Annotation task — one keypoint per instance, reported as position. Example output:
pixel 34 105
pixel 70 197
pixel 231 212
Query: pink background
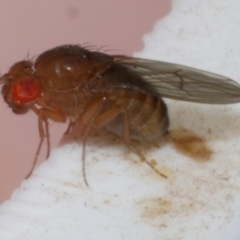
pixel 34 26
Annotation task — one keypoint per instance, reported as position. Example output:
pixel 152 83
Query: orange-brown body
pixel 90 89
pixel 93 90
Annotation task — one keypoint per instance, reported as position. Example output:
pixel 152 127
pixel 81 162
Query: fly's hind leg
pixel 126 137
pixel 106 117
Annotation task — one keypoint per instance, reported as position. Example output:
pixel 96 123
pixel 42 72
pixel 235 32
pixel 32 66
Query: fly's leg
pixel 84 162
pixel 108 116
pixel 43 128
pixel 93 118
pixel 127 141
pixel 47 137
pixel 70 127
pixel 43 132
pixel 87 121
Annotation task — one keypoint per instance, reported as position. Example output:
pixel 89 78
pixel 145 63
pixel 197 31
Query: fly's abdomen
pixel 147 115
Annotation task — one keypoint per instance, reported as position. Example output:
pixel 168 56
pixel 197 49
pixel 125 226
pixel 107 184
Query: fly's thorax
pixel 70 66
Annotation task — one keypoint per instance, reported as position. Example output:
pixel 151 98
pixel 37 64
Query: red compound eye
pixel 26 90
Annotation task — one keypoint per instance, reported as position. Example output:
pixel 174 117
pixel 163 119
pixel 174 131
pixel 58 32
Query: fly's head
pixel 20 88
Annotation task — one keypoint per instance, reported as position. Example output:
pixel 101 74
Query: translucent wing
pixel 183 83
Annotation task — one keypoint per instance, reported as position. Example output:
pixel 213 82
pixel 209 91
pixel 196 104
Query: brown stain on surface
pixel 155 207
pixel 153 162
pixel 107 201
pixel 190 144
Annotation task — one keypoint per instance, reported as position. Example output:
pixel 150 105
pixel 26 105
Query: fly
pixel 123 94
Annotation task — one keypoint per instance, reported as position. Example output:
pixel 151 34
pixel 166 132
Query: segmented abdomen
pixel 147 114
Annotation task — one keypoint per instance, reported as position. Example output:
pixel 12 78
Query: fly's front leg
pixel 43 129
pixel 43 132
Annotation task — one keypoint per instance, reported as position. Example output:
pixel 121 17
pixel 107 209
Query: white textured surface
pixel 127 200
